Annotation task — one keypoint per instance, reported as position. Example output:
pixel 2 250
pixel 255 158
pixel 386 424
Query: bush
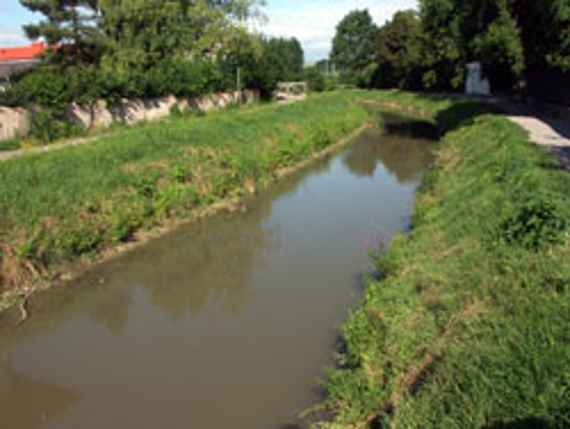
pixel 44 86
pixel 47 91
pixel 183 78
pixel 537 223
pixel 315 79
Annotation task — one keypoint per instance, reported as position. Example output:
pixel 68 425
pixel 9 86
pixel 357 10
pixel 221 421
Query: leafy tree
pixel 315 79
pixel 282 61
pixel 507 36
pixel 325 66
pixel 354 47
pixel 442 52
pixel 545 32
pixel 71 24
pixel 500 50
pixel 241 54
pixel 399 52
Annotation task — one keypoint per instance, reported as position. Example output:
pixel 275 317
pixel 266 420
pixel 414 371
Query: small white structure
pixel 476 84
pixel 288 92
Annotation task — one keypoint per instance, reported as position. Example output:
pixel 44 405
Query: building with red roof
pixel 19 59
pixel 23 53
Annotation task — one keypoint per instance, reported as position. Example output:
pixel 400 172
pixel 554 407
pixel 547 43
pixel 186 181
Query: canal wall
pixel 16 122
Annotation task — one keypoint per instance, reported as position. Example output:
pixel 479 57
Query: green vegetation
pixel 399 52
pixel 77 202
pixel 8 145
pixel 353 49
pixel 468 326
pixel 509 37
pixel 281 61
pixel 115 49
pixel 515 40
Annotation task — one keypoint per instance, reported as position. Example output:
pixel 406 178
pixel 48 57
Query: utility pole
pixel 238 79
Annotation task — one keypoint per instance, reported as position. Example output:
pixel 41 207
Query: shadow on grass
pixel 556 116
pixel 403 126
pixel 463 114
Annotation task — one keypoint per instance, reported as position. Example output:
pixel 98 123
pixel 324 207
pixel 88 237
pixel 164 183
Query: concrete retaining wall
pixel 15 122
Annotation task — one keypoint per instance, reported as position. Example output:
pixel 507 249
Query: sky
pixel 313 22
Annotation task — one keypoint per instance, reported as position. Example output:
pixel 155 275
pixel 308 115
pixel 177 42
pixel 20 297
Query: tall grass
pixel 79 201
pixel 469 326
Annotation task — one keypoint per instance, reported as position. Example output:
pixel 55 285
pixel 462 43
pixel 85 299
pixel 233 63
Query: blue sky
pixel 313 22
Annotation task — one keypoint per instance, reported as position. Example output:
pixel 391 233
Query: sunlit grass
pixel 78 201
pixel 469 326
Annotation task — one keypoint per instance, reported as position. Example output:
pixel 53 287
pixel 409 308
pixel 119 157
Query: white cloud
pixel 12 38
pixel 314 23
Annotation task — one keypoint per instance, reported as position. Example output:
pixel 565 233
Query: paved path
pixel 544 128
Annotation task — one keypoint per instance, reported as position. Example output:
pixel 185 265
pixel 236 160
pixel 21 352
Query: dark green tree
pixel 353 49
pixel 399 52
pixel 315 78
pixel 545 32
pixel 71 27
pixel 282 61
pixel 508 36
pixel 141 33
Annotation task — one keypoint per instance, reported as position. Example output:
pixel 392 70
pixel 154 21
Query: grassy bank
pixel 469 325
pixel 77 203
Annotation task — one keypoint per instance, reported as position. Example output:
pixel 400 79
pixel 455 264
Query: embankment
pixel 469 325
pixel 66 209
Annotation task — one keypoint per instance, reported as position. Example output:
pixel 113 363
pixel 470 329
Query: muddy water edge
pixel 228 323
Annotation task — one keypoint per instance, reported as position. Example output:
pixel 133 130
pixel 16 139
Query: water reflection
pixel 225 323
pixel 209 265
pixel 182 272
pixel 400 151
pixel 27 403
pixel 112 310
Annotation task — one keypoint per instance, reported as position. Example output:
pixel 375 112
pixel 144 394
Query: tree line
pixel 115 49
pixel 429 48
pixel 150 48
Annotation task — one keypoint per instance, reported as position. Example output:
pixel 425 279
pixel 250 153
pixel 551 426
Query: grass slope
pixel 469 326
pixel 77 202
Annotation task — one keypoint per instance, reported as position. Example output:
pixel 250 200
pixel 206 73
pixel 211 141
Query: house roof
pixel 29 52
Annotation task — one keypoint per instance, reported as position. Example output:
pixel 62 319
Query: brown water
pixel 225 324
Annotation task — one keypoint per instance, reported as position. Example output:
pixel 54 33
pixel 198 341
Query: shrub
pixel 49 125
pixel 538 222
pixel 182 78
pixel 315 79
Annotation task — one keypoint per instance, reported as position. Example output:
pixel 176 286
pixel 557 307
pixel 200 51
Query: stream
pixel 226 323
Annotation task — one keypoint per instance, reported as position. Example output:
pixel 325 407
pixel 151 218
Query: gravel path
pixel 545 129
pixel 4 156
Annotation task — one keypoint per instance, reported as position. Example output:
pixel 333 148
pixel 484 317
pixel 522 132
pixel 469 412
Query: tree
pixel 508 36
pixel 399 52
pixel 545 32
pixel 71 26
pixel 141 33
pixel 353 49
pixel 241 54
pixel 315 78
pixel 282 61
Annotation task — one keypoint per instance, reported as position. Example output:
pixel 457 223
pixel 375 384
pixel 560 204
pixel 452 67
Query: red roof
pixel 29 52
